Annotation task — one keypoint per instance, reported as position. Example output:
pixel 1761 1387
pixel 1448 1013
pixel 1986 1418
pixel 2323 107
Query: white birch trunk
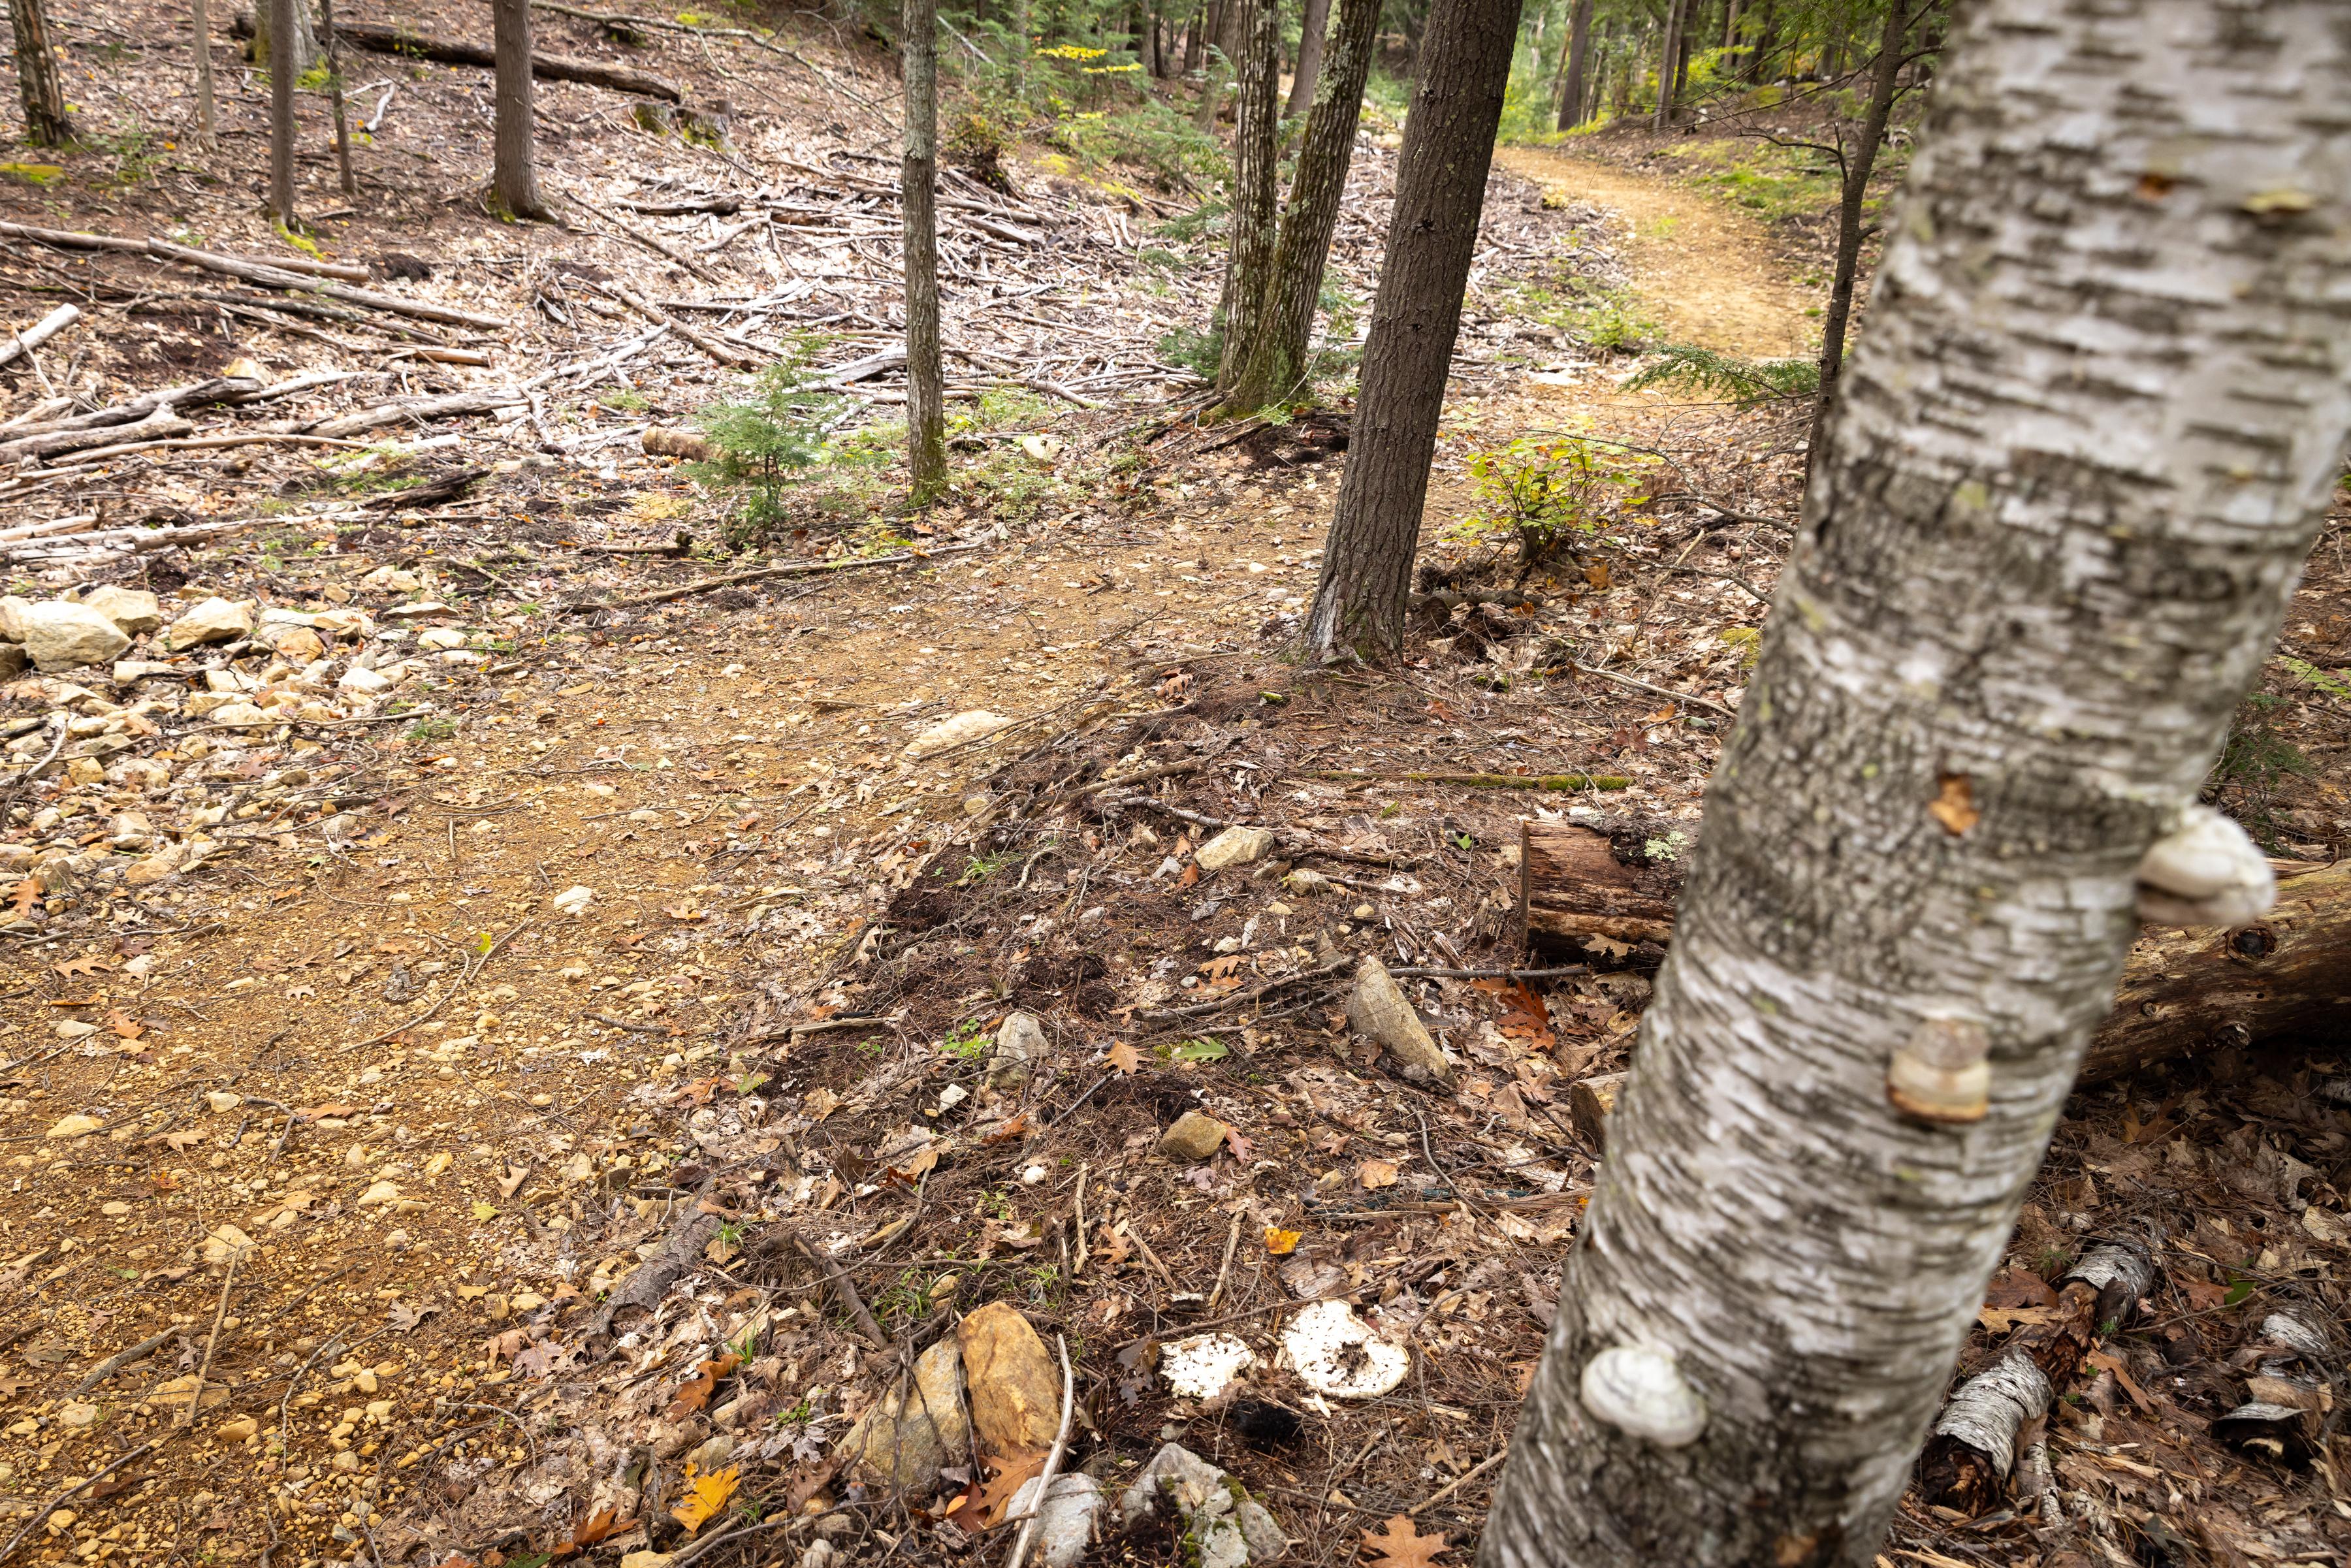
pixel 2075 466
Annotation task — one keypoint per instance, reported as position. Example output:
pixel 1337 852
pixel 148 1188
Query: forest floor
pixel 529 1098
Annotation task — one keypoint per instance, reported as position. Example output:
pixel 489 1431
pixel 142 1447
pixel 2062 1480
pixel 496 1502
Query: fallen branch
pixel 120 1359
pixel 419 409
pixel 845 1290
pixel 648 241
pixel 1639 685
pixel 378 39
pixel 20 344
pixel 1482 780
pixel 726 355
pixel 796 569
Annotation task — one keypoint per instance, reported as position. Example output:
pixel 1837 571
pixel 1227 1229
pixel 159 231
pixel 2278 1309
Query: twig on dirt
pixel 1224 1270
pixel 120 1359
pixel 212 1340
pixel 1427 972
pixel 1480 781
pixel 648 241
pixel 19 783
pixel 1458 1482
pixel 1636 682
pixel 792 568
pixel 625 1024
pixel 72 1492
pixel 1240 998
pixel 1052 1457
pixel 845 1290
pixel 472 970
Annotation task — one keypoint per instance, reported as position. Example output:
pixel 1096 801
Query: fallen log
pixel 418 409
pixel 20 344
pixel 1968 1459
pixel 379 39
pixel 1603 888
pixel 21 440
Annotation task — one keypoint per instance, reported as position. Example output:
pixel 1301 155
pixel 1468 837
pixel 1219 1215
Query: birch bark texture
pixel 2081 454
pixel 1448 149
pixel 1276 362
pixel 926 415
pixel 1249 254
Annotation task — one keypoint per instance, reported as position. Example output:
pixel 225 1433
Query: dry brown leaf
pixel 123 1024
pixel 706 1497
pixel 599 1526
pixel 1124 1057
pixel 1402 1546
pixel 1373 1173
pixel 1013 1471
pixel 88 964
pixel 24 896
pixel 695 1394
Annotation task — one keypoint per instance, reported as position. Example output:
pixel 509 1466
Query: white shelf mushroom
pixel 2206 872
pixel 1637 1388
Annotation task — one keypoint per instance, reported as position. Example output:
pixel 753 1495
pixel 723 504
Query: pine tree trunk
pixel 46 122
pixel 926 428
pixel 1669 48
pixel 207 125
pixel 283 25
pixel 2061 509
pixel 1572 94
pixel 1859 164
pixel 1249 249
pixel 1313 22
pixel 1277 364
pixel 350 185
pixel 1448 146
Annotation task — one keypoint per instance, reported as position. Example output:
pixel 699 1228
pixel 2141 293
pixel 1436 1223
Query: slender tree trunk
pixel 1248 251
pixel 1572 99
pixel 1277 364
pixel 1684 34
pixel 1859 164
pixel 514 170
pixel 1021 44
pixel 1448 146
pixel 1767 38
pixel 1192 40
pixel 351 183
pixel 926 428
pixel 2062 509
pixel 283 15
pixel 1668 52
pixel 46 122
pixel 1628 51
pixel 265 28
pixel 207 125
pixel 1313 22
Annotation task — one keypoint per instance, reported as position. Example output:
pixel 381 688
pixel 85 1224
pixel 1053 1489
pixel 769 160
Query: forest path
pixel 1702 269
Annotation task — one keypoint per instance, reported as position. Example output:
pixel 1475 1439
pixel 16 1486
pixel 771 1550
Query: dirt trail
pixel 1702 269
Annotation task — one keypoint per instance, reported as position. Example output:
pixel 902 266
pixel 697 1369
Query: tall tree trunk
pixel 1192 39
pixel 1858 165
pixel 514 168
pixel 1669 49
pixel 46 122
pixel 1277 364
pixel 1448 146
pixel 207 122
pixel 1249 250
pixel 926 426
pixel 1767 38
pixel 1313 22
pixel 350 182
pixel 1572 94
pixel 283 25
pixel 2083 449
pixel 265 28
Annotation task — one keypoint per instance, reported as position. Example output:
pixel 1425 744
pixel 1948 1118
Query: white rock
pixel 1334 1351
pixel 1065 1525
pixel 955 731
pixel 59 636
pixel 128 670
pixel 131 608
pixel 1224 1527
pixel 366 683
pixel 572 900
pixel 1234 846
pixel 12 618
pixel 212 620
pixel 243 714
pixel 1019 1046
pixel 382 1192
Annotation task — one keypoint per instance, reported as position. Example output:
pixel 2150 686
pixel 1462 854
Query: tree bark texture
pixel 1573 94
pixel 283 20
pixel 1277 361
pixel 351 183
pixel 305 41
pixel 926 428
pixel 1313 24
pixel 513 166
pixel 1250 232
pixel 201 26
pixel 47 122
pixel 2062 507
pixel 1669 51
pixel 1858 165
pixel 1448 146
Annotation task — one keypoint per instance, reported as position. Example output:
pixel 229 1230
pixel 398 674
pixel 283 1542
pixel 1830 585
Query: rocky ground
pixel 526 1039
